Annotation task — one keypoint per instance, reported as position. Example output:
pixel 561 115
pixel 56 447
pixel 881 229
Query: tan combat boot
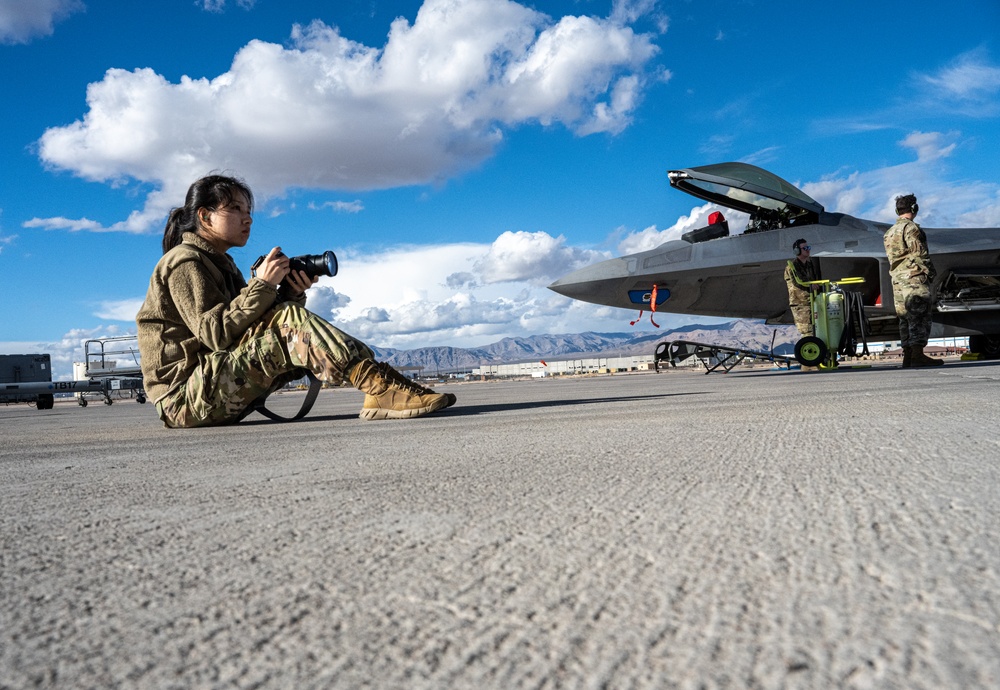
pixel 919 359
pixel 390 373
pixel 389 397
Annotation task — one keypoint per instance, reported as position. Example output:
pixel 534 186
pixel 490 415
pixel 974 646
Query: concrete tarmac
pixel 758 529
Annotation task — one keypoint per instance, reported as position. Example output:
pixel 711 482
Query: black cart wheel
pixel 811 351
pixel 988 346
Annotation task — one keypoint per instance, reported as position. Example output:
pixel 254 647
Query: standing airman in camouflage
pixel 799 272
pixel 912 275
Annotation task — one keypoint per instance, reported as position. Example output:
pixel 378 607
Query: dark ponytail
pixel 176 227
pixel 212 192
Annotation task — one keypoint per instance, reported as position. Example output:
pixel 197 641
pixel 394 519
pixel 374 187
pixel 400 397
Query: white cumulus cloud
pixel 461 294
pixel 23 20
pixel 328 112
pixel 533 257
pixel 325 300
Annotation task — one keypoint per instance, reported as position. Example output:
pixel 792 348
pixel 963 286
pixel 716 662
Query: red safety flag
pixel 652 309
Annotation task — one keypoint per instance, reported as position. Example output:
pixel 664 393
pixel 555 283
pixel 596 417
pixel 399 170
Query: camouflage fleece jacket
pixel 909 258
pixel 198 302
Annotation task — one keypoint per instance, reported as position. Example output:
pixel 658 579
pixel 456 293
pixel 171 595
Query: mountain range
pixel 745 334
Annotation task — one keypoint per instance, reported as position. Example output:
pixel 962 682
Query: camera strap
pixel 314 385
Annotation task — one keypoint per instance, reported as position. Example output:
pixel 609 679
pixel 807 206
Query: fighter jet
pixel 710 272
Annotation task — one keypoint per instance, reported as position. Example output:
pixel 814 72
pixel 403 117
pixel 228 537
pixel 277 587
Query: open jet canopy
pixel 771 201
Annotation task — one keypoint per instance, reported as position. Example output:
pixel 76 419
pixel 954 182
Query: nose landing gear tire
pixel 811 351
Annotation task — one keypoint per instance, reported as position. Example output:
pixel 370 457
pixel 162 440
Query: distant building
pixel 597 364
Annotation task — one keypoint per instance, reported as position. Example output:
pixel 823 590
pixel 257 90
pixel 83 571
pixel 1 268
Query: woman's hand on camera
pixel 298 282
pixel 274 268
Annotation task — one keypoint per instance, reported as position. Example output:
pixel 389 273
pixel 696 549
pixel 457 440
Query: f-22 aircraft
pixel 709 272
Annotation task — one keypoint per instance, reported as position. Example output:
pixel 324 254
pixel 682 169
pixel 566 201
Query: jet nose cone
pixel 592 283
pixel 565 287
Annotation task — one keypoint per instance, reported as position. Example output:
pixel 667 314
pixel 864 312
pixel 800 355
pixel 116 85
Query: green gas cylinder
pixel 828 317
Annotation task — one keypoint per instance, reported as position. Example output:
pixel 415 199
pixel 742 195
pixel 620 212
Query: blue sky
pixel 459 155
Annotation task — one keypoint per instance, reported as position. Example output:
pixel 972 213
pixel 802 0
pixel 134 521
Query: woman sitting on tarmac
pixel 212 344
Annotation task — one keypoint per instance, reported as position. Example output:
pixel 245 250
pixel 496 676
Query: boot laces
pixel 397 380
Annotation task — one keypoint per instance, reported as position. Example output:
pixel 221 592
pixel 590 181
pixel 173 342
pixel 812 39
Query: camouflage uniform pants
pixel 913 307
pixel 802 314
pixel 274 351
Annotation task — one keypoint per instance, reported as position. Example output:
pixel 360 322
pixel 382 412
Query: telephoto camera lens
pixel 313 265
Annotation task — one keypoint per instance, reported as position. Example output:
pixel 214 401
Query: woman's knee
pixel 291 313
pixel 291 316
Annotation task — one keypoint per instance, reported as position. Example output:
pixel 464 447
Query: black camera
pixel 312 265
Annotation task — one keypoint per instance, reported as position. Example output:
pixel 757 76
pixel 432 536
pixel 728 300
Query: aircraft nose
pixel 573 290
pixel 592 283
pixel 566 287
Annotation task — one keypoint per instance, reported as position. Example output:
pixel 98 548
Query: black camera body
pixel 313 265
